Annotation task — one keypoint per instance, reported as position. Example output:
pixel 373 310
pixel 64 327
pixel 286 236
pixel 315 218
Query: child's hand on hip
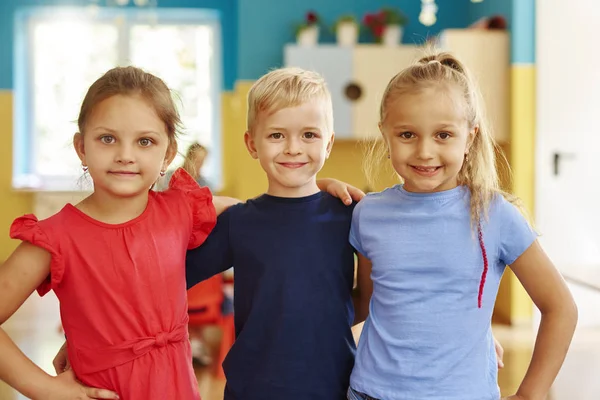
pixel 67 387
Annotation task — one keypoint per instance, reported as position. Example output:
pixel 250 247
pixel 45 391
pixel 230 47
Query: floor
pixel 34 328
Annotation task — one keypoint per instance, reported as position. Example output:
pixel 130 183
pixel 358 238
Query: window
pixel 60 52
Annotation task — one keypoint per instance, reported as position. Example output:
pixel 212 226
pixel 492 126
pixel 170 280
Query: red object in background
pixel 205 301
pixel 311 17
pixel 494 22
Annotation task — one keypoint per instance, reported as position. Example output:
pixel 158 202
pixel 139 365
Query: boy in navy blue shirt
pixel 294 266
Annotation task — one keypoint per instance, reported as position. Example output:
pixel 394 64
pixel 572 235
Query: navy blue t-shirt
pixel 294 270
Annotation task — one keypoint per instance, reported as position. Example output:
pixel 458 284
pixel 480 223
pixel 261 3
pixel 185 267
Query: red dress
pixel 122 290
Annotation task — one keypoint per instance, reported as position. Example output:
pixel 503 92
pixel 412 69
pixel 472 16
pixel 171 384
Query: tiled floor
pixel 34 327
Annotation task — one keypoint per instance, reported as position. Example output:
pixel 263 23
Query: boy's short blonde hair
pixel 287 87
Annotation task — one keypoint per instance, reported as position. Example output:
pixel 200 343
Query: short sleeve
pixel 355 229
pixel 199 201
pixel 516 233
pixel 27 228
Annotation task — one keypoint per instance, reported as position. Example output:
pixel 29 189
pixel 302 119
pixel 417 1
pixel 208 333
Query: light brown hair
pixel 189 161
pixel 133 81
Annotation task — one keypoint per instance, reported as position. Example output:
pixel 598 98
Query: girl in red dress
pixel 116 260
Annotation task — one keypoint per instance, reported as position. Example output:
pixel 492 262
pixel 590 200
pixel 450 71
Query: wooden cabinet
pixel 358 75
pixel 487 55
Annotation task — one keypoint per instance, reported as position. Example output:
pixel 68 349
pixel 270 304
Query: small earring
pixel 466 157
pixel 388 156
pixel 162 173
pixel 84 168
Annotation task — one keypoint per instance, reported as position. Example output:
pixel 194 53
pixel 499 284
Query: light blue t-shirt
pixel 425 337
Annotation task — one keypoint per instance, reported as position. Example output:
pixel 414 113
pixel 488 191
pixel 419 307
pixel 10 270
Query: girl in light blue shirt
pixel 438 245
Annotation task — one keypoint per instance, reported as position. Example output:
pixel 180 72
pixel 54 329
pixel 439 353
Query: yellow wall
pixel 523 162
pixel 514 305
pixel 12 204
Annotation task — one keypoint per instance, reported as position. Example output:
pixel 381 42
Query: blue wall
pixel 492 7
pixel 226 8
pixel 265 26
pixel 523 30
pixel 255 31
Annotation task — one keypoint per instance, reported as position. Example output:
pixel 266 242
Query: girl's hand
pixel 61 360
pixel 499 353
pixel 222 203
pixel 341 190
pixel 68 388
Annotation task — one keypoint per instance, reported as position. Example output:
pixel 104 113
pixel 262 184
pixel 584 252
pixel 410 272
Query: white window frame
pixel 24 176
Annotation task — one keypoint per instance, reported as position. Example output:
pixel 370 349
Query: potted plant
pixel 346 30
pixel 386 25
pixel 307 33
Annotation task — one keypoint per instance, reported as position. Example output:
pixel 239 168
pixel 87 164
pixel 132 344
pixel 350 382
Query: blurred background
pixel 534 61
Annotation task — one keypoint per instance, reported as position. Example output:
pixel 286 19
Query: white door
pixel 568 136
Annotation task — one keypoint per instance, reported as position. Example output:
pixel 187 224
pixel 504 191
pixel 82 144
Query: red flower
pixel 368 19
pixel 311 17
pixel 378 30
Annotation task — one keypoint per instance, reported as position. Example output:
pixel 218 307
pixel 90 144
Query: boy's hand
pixel 67 387
pixel 61 360
pixel 341 190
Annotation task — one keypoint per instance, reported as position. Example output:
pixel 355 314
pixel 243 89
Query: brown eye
pixel 107 139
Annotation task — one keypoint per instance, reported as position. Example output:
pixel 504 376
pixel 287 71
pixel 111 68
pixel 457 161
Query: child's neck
pixel 278 190
pixel 111 209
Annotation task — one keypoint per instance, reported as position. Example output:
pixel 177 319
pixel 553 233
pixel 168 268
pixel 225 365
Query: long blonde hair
pixel 478 172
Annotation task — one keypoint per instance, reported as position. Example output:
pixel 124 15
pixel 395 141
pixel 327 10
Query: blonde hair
pixel 478 172
pixel 287 87
pixel 189 161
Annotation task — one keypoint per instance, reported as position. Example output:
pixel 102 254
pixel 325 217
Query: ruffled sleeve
pixel 199 202
pixel 28 229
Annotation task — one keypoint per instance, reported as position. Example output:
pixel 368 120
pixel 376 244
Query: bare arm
pixel 361 295
pixel 24 271
pixel 549 292
pixel 222 203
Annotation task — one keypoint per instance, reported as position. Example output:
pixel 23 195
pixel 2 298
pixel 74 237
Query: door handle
pixel 558 157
